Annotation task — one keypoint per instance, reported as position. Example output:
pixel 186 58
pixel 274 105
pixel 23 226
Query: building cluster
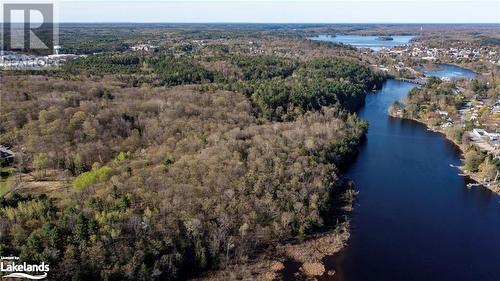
pixel 144 48
pixel 474 109
pixel 485 139
pixel 256 50
pixel 398 67
pixel 13 60
pixel 462 54
pixel 481 133
pixel 447 120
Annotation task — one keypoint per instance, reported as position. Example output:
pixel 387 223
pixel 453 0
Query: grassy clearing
pixel 6 179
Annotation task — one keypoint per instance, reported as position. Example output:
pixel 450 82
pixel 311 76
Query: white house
pixel 144 47
pixel 479 133
pixel 443 113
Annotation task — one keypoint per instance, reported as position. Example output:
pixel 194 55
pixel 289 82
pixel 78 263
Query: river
pixel 414 218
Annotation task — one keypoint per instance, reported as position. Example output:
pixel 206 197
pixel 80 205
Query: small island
pixel 385 38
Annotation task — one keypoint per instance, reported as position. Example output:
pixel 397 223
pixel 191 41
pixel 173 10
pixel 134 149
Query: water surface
pixel 371 42
pixel 415 219
pixel 450 71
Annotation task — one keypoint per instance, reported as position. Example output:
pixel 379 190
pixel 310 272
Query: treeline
pixel 173 174
pixel 104 64
pixel 281 88
pixel 317 83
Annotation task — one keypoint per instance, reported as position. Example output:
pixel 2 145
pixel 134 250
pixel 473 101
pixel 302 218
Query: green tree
pixel 488 170
pixel 80 230
pixel 41 163
pixel 472 160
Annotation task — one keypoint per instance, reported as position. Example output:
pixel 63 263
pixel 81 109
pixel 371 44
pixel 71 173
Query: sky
pixel 279 11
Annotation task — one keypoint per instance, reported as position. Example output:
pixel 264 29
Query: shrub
pixel 86 179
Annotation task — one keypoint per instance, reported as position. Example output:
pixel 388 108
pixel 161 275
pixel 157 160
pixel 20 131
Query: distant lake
pixel 450 71
pixel 372 42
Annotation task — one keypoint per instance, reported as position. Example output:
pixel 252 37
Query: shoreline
pixel 303 260
pixel 463 172
pixel 298 257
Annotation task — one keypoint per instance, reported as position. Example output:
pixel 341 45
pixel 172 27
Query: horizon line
pixel 287 23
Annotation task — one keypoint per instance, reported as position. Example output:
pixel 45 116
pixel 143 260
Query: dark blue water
pixel 451 72
pixel 366 41
pixel 415 218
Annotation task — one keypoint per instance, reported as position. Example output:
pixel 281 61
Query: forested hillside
pixel 173 165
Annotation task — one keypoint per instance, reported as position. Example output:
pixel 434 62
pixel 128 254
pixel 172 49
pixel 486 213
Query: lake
pixel 371 42
pixel 414 218
pixel 450 71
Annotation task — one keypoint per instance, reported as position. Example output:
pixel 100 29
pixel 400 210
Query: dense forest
pixel 172 165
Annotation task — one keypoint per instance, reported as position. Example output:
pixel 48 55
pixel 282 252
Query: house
pixel 495 143
pixel 494 136
pixel 483 134
pixel 6 154
pixel 443 113
pixel 447 125
pixel 429 58
pixel 144 47
pixel 479 133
